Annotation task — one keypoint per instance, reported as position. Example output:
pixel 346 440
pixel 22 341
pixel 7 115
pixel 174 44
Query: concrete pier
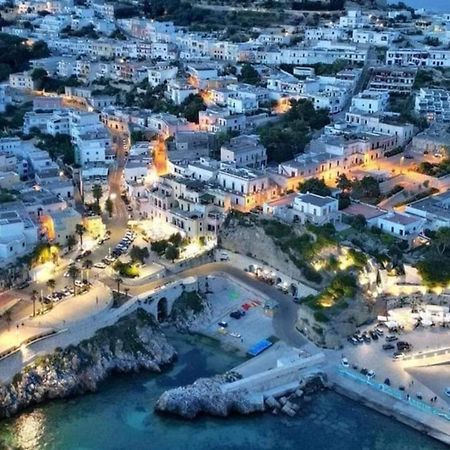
pixel 433 425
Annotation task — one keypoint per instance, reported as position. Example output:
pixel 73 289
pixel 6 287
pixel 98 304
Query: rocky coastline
pixel 134 343
pixel 207 396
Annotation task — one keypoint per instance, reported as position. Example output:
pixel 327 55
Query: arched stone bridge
pixel 160 302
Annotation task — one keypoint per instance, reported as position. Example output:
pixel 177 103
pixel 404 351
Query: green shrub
pixel 320 316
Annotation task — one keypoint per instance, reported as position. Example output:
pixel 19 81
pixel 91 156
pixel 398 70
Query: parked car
pixel 379 331
pixel 370 374
pixel 223 256
pixel 391 338
pixel 236 314
pixel 374 335
pixel 223 324
pixel 352 340
pixel 23 285
pixel 344 362
pixel 404 346
pixel 447 391
pixel 399 355
pixel 388 347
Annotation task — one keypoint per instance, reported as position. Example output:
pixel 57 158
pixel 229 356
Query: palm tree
pixel 87 265
pixel 74 271
pixel 79 229
pixel 8 318
pixel 97 193
pixel 34 296
pixel 109 205
pixel 71 241
pixel 51 284
pixel 119 281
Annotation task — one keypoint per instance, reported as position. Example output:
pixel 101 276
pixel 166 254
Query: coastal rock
pixel 208 396
pixel 132 344
pixel 272 403
pixel 190 311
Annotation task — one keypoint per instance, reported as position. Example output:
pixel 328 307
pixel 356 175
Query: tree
pixel 97 193
pixel 176 239
pixel 343 183
pixel 249 75
pixel 71 241
pixel 119 281
pixel 172 253
pixel 366 187
pixel 441 241
pixel 315 186
pixel 38 76
pixel 80 230
pixel 159 247
pixel 290 135
pixel 191 106
pixel 34 296
pixel 139 253
pixel 87 266
pixel 74 272
pixel 51 284
pixel 359 222
pixel 109 206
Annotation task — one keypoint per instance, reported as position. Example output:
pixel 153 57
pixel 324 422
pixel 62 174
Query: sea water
pixel 120 417
pixel 432 5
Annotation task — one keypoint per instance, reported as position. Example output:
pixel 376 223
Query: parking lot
pixel 121 248
pixel 251 321
pixel 425 382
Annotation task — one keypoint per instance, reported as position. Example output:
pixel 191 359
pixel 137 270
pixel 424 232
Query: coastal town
pixel 273 175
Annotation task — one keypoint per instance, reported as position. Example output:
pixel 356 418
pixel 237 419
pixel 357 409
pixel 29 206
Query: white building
pixel 354 19
pixel 404 226
pixel 434 104
pixel 179 91
pixel 370 101
pixel 159 74
pixel 435 210
pixel 418 57
pixel 315 209
pixel 376 38
pixel 398 80
pixel 403 132
pixel 244 151
pixel 22 80
pixel 18 232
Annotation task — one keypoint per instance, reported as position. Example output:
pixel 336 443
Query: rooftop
pixel 316 200
pixel 369 212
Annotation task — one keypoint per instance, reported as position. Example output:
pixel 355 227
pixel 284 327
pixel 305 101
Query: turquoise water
pixel 120 417
pixel 433 5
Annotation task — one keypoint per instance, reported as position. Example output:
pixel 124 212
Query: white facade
pixel 315 209
pixel 370 101
pixel 403 226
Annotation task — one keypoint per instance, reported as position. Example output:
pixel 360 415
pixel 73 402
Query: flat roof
pixel 368 211
pixel 315 199
pixel 401 219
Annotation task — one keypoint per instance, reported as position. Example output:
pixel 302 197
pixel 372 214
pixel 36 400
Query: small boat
pixel 236 335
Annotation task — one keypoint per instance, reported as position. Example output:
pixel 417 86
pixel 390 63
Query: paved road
pixel 120 213
pixel 284 320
